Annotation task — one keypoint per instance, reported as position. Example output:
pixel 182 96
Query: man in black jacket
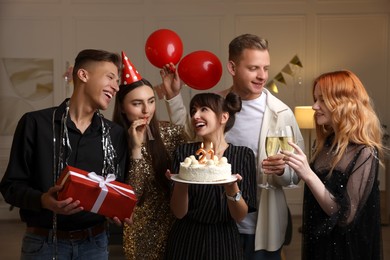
pixel 76 134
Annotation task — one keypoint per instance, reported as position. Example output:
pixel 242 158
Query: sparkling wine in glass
pixel 287 135
pixel 271 148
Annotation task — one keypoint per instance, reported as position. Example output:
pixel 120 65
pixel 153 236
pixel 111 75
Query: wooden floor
pixel 11 233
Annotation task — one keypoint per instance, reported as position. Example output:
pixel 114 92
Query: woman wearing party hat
pixel 151 144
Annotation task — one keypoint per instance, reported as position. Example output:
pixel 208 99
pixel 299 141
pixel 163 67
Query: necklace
pixel 65 149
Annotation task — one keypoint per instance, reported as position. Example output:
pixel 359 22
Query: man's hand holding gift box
pixel 97 194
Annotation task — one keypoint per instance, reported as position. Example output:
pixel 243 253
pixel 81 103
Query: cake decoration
pixel 202 154
pixel 204 169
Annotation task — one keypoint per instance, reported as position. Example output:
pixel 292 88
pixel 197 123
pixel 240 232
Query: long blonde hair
pixel 353 117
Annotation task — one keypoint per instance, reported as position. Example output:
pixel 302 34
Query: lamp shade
pixel 305 117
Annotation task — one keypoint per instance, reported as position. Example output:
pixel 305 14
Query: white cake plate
pixel 232 178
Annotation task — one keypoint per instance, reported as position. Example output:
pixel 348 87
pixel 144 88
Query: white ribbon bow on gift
pixel 103 183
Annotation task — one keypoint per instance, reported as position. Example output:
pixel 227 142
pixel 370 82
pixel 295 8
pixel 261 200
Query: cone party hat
pixel 129 72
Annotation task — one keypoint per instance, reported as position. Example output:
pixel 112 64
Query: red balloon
pixel 200 70
pixel 162 47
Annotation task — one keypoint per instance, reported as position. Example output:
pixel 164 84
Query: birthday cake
pixel 204 169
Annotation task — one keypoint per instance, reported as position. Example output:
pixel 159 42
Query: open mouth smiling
pixel 108 94
pixel 200 124
pixel 258 84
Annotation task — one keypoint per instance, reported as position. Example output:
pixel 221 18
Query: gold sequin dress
pixel 146 238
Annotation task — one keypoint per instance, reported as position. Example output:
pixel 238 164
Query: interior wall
pixel 326 35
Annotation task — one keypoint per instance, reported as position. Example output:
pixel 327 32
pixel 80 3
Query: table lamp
pixel 305 119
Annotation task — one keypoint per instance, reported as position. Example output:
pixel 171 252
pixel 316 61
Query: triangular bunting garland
pixel 295 60
pixel 280 78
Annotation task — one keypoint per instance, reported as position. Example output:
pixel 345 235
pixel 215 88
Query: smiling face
pixel 204 121
pixel 208 116
pixel 322 114
pixel 100 81
pixel 250 73
pixel 140 103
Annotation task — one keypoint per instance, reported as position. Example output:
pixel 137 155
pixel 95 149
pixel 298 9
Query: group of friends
pixel 173 220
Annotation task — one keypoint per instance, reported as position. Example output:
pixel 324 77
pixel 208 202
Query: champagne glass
pixel 287 135
pixel 271 148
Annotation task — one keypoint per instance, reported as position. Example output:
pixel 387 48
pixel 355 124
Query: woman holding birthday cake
pixel 207 212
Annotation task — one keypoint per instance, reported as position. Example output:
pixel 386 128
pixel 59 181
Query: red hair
pixel 353 117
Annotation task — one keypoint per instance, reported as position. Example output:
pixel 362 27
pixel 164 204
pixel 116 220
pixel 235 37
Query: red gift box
pixel 97 194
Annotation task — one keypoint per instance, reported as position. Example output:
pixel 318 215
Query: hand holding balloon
pixel 170 81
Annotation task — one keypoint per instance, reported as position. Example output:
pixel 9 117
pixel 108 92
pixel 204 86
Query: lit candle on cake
pixel 211 151
pixel 202 154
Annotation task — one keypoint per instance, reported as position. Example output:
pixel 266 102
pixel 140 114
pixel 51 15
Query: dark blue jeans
pixel 37 247
pixel 248 245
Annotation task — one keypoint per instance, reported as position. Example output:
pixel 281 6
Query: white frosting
pixel 211 170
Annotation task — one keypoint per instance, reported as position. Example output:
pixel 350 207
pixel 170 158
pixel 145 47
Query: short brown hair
pixel 91 55
pixel 245 41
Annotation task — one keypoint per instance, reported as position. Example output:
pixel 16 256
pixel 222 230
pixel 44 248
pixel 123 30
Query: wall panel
pixel 28 38
pixel 360 45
